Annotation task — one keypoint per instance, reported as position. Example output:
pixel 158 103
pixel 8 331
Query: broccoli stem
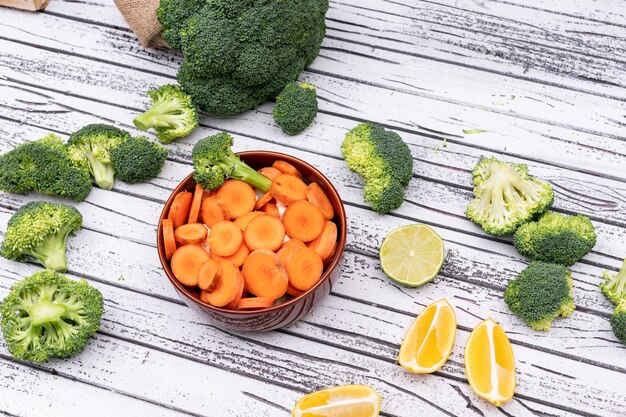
pixel 103 173
pixel 51 253
pixel 244 173
pixel 162 114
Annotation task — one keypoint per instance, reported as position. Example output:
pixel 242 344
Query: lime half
pixel 412 255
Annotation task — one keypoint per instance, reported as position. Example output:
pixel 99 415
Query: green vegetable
pixel 618 321
pixel 239 53
pixel 173 115
pixel 37 232
pixel 383 160
pixel 90 148
pixel 541 293
pixel 45 167
pixel 614 286
pixel 506 196
pixel 556 238
pixel 295 108
pixel 214 162
pixel 473 131
pixel 49 315
pixel 137 159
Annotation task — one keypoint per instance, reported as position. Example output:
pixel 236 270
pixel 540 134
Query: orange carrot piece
pixel 304 269
pixel 242 221
pixel 237 258
pixel 253 303
pixel 286 168
pixel 227 288
pixel 233 304
pixel 271 209
pixel 269 173
pixel 288 189
pixel 303 220
pixel 317 196
pixel 238 197
pixel 212 211
pixel 194 211
pixel 190 233
pixel 265 198
pixel 264 232
pixel 294 292
pixel 179 210
pixel 186 263
pixel 285 254
pixel 207 193
pixel 209 275
pixel 326 241
pixel 262 275
pixel 169 241
pixel 225 238
pixel 293 242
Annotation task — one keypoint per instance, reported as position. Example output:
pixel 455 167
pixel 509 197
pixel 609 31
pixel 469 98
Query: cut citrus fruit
pixel 412 255
pixel 429 341
pixel 342 401
pixel 489 363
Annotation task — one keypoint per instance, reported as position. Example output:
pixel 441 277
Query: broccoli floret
pixel 556 238
pixel 91 147
pixel 173 115
pixel 295 108
pixel 618 321
pixel 383 160
pixel 37 232
pixel 614 286
pixel 239 53
pixel 214 162
pixel 45 167
pixel 506 196
pixel 48 315
pixel 137 159
pixel 541 293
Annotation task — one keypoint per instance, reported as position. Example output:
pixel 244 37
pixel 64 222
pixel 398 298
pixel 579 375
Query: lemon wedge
pixel 342 401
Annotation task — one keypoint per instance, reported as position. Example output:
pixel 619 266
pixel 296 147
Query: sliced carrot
pixel 317 196
pixel 236 258
pixel 186 263
pixel 227 288
pixel 285 254
pixel 242 221
pixel 326 241
pixel 286 168
pixel 271 209
pixel 288 189
pixel 194 211
pixel 212 211
pixel 238 197
pixel 251 303
pixel 303 220
pixel 179 210
pixel 293 242
pixel 263 276
pixel 207 193
pixel 225 238
pixel 269 172
pixel 265 198
pixel 304 269
pixel 264 232
pixel 294 292
pixel 169 241
pixel 190 233
pixel 209 275
pixel 233 304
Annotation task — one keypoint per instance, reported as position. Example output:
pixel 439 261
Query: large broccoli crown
pixel 137 159
pixel 49 315
pixel 38 231
pixel 296 107
pixel 91 147
pixel 173 114
pixel 239 53
pixel 556 238
pixel 44 166
pixel 618 321
pixel 506 196
pixel 541 293
pixel 614 286
pixel 383 160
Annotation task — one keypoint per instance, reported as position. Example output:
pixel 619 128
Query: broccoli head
pixel 137 159
pixel 618 321
pixel 37 232
pixel 239 53
pixel 43 166
pixel 506 196
pixel 556 238
pixel 48 315
pixel 541 293
pixel 296 107
pixel 173 115
pixel 614 286
pixel 214 162
pixel 383 160
pixel 90 147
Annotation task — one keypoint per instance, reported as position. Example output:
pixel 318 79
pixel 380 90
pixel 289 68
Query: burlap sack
pixel 142 19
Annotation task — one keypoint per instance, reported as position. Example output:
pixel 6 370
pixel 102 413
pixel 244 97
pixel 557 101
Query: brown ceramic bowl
pixel 291 310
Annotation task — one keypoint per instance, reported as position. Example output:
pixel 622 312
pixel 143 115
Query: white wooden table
pixel 547 79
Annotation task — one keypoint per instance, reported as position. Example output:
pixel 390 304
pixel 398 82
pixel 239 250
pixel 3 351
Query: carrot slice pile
pixel 304 268
pixel 303 220
pixel 225 238
pixel 194 211
pixel 263 276
pixel 186 263
pixel 288 189
pixel 264 232
pixel 317 196
pixel 190 233
pixel 212 211
pixel 179 210
pixel 325 243
pixel 169 240
pixel 238 197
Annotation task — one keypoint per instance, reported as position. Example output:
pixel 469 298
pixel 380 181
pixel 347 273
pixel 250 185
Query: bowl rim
pixel 341 243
